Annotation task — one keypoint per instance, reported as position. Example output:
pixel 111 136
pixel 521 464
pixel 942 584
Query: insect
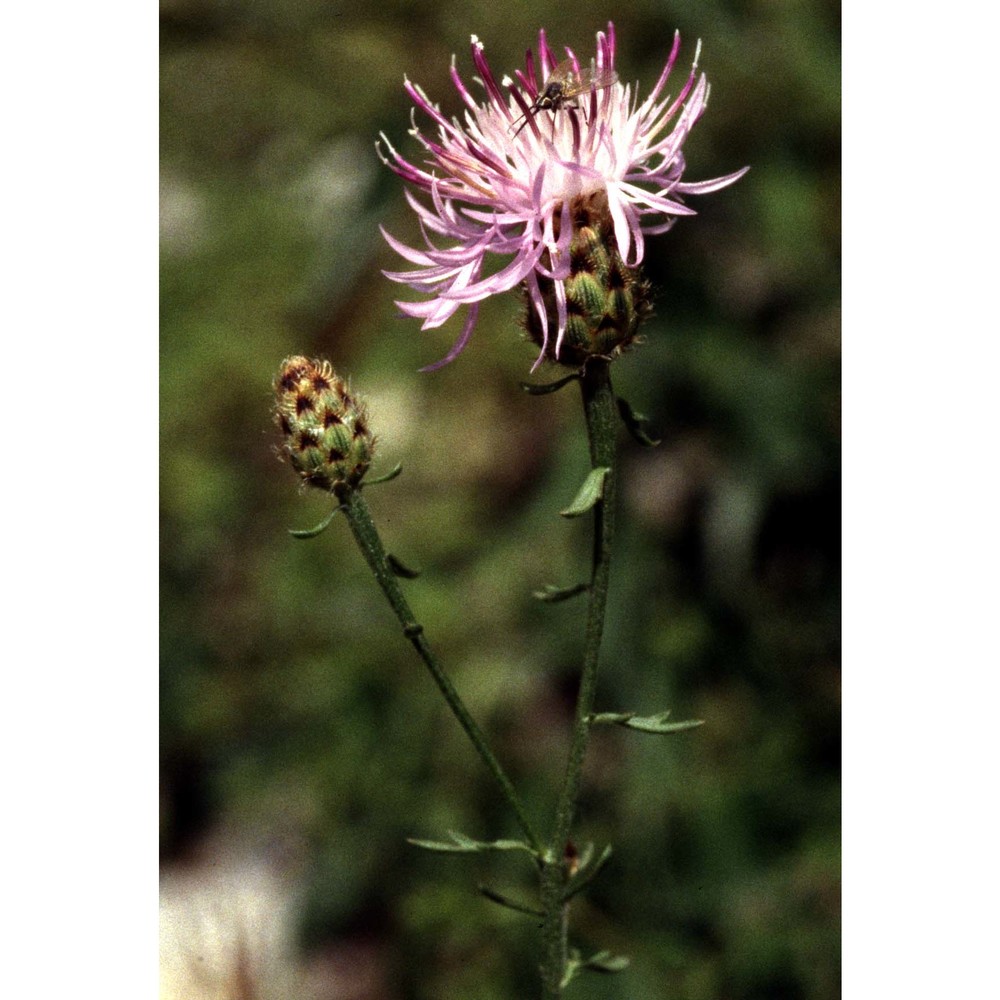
pixel 564 84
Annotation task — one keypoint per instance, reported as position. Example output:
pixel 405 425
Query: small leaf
pixel 391 474
pixel 645 723
pixel 533 389
pixel 573 966
pixel 319 529
pixel 637 424
pixel 610 718
pixel 401 569
pixel 604 961
pixel 590 492
pixel 551 593
pixel 460 844
pixel 588 871
pixel 512 904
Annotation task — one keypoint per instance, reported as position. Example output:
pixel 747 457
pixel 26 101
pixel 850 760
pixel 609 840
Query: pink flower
pixel 503 180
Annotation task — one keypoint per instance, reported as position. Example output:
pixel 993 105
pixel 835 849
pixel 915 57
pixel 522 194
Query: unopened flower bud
pixel 324 426
pixel 605 300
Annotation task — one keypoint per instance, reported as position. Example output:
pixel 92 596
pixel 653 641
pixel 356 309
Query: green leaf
pixel 604 961
pixel 319 529
pixel 460 844
pixel 551 593
pixel 533 389
pixel 637 425
pixel 512 904
pixel 590 492
pixel 601 961
pixel 385 478
pixel 573 965
pixel 644 723
pixel 401 569
pixel 589 869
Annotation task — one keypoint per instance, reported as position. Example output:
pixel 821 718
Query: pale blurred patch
pixel 183 215
pixel 226 933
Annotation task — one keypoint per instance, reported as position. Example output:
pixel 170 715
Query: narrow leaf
pixel 637 424
pixel 460 844
pixel 573 965
pixel 588 872
pixel 590 492
pixel 533 389
pixel 610 718
pixel 654 724
pixel 400 568
pixel 604 961
pixel 391 474
pixel 512 904
pixel 551 593
pixel 319 529
pixel 657 724
pixel 437 845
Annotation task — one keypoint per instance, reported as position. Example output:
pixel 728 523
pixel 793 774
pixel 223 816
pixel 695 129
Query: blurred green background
pixel 297 724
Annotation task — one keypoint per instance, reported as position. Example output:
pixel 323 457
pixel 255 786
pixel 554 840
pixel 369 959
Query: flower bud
pixel 325 427
pixel 605 300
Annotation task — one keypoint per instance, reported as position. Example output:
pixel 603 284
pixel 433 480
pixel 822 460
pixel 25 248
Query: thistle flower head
pixel 323 424
pixel 562 148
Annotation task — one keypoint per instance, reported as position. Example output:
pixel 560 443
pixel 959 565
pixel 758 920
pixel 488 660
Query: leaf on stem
pixel 644 723
pixel 533 389
pixel 391 474
pixel 460 844
pixel 551 593
pixel 512 904
pixel 589 494
pixel 637 424
pixel 601 961
pixel 589 869
pixel 604 961
pixel 400 568
pixel 319 529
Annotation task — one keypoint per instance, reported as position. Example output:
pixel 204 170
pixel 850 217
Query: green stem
pixel 367 537
pixel 600 410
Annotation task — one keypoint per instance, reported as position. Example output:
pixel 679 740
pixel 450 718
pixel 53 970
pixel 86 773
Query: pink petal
pixel 459 345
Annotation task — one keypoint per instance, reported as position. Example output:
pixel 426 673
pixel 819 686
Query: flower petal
pixel 505 178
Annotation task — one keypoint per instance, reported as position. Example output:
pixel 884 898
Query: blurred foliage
pixel 293 712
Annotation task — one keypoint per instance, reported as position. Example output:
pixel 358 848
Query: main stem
pixel 600 410
pixel 370 543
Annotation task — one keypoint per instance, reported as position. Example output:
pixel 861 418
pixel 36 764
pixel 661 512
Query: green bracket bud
pixel 605 300
pixel 590 492
pixel 325 428
pixel 656 724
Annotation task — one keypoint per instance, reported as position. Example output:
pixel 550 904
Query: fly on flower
pixel 566 218
pixel 566 82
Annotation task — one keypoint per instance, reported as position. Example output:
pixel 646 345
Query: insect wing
pixel 574 84
pixel 563 84
pixel 563 74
